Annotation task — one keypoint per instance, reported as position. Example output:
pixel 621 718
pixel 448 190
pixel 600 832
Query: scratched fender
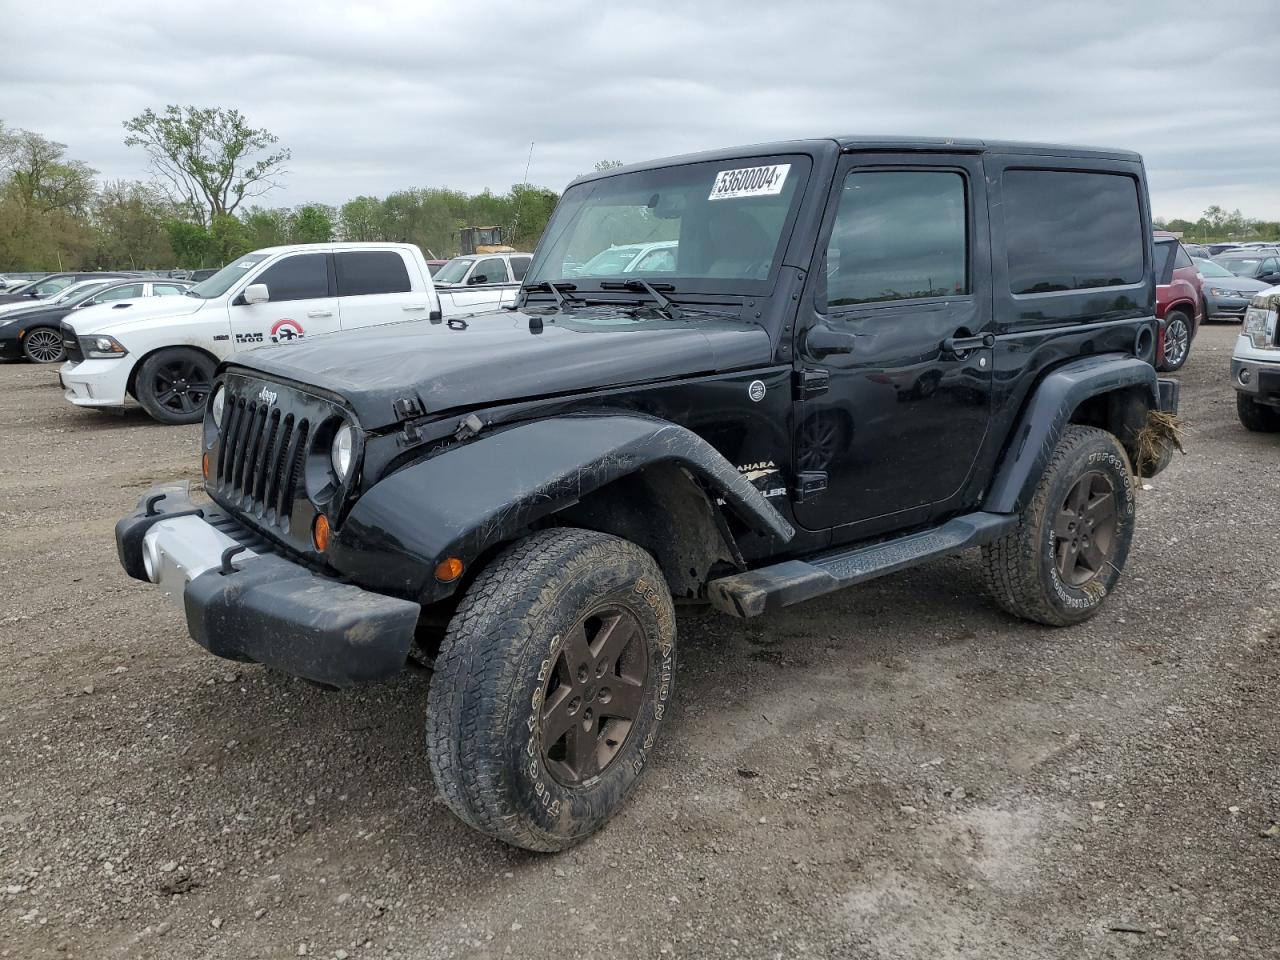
pixel 470 497
pixel 1048 412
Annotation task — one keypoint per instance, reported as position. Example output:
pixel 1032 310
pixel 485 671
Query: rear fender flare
pixel 466 499
pixel 1047 413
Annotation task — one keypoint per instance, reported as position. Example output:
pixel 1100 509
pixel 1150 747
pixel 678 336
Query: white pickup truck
pixel 164 353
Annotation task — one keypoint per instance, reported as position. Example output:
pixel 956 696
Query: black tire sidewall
pixel 144 386
pixel 27 339
pixel 563 813
pixel 1074 603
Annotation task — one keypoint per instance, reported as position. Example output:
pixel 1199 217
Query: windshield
pixel 723 223
pixel 47 288
pixel 1208 268
pixel 77 291
pixel 453 271
pixel 226 278
pixel 79 294
pixel 1241 264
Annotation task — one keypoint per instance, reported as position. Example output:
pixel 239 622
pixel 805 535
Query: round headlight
pixel 217 406
pixel 340 453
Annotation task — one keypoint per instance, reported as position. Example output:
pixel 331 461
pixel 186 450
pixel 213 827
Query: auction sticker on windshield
pixel 749 182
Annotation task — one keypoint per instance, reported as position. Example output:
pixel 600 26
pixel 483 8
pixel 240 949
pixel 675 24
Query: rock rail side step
pixel 754 592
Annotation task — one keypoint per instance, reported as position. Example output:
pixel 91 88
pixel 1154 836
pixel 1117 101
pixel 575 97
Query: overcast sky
pixel 376 96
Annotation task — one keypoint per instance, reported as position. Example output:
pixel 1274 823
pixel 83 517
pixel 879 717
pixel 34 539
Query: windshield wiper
pixel 662 304
pixel 553 288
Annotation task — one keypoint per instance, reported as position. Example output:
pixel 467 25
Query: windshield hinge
pixel 811 383
pixel 407 408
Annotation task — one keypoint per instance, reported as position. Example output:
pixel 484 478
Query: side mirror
pixel 256 293
pixel 477 278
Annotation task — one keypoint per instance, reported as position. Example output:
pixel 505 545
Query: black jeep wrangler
pixel 748 378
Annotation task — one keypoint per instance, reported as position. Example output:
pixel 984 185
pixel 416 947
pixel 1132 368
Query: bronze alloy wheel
pixel 593 695
pixel 1086 529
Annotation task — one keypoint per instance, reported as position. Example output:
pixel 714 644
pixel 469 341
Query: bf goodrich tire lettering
pixel 1086 481
pixel 503 647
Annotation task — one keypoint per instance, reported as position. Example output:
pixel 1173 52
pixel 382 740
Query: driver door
pixel 896 361
pixel 484 286
pixel 303 303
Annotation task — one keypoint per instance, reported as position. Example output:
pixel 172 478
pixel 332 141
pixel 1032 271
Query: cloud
pixel 375 97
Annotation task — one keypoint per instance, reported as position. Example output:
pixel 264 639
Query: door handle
pixel 821 341
pixel 319 313
pixel 416 307
pixel 960 344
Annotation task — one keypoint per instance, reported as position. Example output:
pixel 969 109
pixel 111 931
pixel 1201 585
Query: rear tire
pixel 172 385
pixel 43 345
pixel 1177 341
pixel 1257 417
pixel 550 687
pixel 1070 544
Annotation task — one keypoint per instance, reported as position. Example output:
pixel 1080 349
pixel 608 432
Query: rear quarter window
pixel 365 272
pixel 1071 230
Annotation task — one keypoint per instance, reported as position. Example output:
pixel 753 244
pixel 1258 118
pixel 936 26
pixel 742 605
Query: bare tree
pixel 209 159
pixel 42 179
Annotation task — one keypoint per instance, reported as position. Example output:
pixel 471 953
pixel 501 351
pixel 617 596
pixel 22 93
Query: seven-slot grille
pixel 262 457
pixel 71 344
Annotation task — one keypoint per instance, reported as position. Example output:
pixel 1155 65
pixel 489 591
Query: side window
pixel 519 267
pixel 1181 259
pixel 364 272
pixel 167 290
pixel 898 235
pixel 494 270
pixel 1067 230
pixel 126 292
pixel 301 277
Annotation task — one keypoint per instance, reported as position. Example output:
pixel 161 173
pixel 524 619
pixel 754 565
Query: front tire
pixel 1069 547
pixel 43 345
pixel 550 687
pixel 173 385
pixel 1256 417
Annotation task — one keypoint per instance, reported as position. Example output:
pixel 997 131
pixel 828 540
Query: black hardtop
pixel 884 144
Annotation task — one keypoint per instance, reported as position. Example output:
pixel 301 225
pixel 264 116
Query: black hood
pixel 34 315
pixel 505 356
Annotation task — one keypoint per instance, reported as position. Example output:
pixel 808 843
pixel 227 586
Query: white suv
pixel 1255 364
pixel 164 353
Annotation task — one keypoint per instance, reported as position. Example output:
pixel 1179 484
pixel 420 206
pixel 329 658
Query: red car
pixel 1179 302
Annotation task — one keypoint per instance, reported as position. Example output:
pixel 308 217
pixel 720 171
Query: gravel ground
pixel 896 771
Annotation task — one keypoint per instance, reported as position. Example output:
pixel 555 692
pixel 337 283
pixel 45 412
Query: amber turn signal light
pixel 204 466
pixel 449 569
pixel 320 532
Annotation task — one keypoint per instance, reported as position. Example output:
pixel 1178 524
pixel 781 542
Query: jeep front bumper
pixel 244 601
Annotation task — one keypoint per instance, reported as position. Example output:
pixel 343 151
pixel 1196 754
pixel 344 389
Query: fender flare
pixel 1046 415
pixel 470 497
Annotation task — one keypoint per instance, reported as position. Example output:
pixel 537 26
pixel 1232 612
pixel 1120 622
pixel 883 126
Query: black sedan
pixel 50 286
pixel 1226 296
pixel 32 332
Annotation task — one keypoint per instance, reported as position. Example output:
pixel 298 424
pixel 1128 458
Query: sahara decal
pixel 765 477
pixel 284 330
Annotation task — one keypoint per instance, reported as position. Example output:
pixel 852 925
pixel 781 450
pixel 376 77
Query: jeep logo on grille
pixel 267 396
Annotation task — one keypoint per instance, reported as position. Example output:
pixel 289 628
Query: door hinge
pixel 811 383
pixel 809 484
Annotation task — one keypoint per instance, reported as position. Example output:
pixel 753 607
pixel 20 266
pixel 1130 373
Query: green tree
pixel 266 227
pixel 192 244
pixel 311 223
pixel 361 220
pixel 209 159
pixel 129 221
